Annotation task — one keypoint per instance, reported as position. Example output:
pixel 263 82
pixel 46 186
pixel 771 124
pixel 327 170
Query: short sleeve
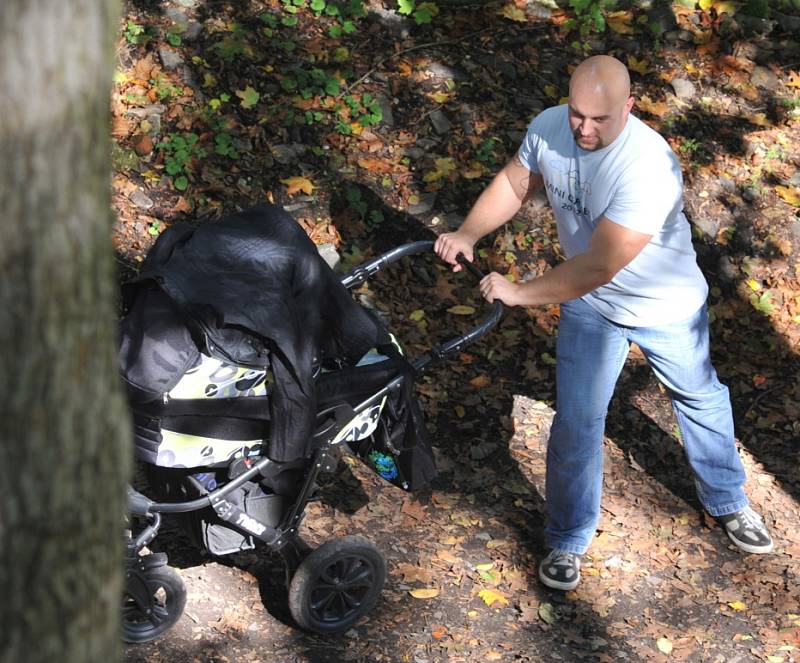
pixel 648 192
pixel 529 150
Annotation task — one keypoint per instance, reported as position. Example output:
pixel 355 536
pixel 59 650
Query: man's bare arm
pixel 500 201
pixel 611 248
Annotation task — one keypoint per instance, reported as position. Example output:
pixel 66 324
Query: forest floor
pixel 374 131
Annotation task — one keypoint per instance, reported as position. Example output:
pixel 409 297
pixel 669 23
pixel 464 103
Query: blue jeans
pixel 591 351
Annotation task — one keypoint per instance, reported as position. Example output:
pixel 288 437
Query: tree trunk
pixel 63 422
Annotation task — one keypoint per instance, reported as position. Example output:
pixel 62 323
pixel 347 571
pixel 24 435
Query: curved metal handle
pixel 361 273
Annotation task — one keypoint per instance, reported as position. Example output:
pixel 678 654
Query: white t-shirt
pixel 636 182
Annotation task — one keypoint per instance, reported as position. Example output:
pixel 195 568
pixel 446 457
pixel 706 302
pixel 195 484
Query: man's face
pixel 594 118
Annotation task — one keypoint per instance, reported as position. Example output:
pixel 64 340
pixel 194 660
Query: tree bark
pixel 63 421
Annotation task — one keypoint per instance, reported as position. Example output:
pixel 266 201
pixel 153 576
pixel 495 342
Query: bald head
pixel 599 101
pixel 604 75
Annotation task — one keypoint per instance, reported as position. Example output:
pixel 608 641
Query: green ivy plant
pixel 179 149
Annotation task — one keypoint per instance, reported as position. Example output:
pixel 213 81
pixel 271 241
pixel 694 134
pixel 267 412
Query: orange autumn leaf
pixel 480 381
pixel 657 108
pixel 794 79
pixel 297 184
pixel 374 165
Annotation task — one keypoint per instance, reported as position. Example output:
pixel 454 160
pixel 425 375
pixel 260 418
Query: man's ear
pixel 629 104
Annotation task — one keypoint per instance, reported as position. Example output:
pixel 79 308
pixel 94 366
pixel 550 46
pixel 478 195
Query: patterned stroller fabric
pixel 250 290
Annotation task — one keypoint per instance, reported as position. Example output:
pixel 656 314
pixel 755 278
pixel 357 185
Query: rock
pixel 142 144
pixel 708 225
pixel 286 154
pixel 169 58
pixel 441 125
pixel 154 121
pixel 427 144
pixel 141 201
pixel 329 254
pixel 750 194
pixel 678 35
pixel 189 4
pixel 764 78
pixel 391 20
pixel 728 271
pixel 684 88
pixel 243 144
pixel 425 204
pixel 177 16
pixel 727 184
pixel 444 72
pixel 414 153
pixel 387 118
pixel 147 111
pixel 192 31
pixel 794 180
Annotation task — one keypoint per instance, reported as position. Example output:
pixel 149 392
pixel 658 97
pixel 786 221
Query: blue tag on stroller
pixel 384 464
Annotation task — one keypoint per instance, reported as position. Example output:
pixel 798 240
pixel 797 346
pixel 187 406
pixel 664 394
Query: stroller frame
pixel 154 595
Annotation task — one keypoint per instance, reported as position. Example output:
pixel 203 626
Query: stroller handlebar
pixel 441 352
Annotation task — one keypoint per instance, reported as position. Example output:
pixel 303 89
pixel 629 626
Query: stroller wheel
pixel 152 602
pixel 336 585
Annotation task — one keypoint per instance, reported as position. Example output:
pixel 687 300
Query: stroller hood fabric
pixel 253 289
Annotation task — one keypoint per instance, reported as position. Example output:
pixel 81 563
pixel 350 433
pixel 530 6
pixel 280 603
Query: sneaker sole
pixel 755 550
pixel 555 584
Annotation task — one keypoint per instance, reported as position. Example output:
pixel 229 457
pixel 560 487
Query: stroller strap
pixel 251 407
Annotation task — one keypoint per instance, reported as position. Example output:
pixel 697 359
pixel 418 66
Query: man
pixel 630 276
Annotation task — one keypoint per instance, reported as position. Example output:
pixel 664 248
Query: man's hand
pixel 449 245
pixel 494 286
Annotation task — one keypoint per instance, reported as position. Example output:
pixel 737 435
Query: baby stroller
pixel 207 436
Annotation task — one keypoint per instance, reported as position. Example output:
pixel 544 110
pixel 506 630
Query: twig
pixel 408 50
pixel 758 398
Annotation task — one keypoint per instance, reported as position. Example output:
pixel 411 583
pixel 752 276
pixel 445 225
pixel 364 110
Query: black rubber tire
pixel 168 600
pixel 336 585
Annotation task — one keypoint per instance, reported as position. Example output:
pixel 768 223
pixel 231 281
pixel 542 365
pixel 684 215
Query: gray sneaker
pixel 747 531
pixel 560 570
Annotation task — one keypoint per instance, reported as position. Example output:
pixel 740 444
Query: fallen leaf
pixel 461 309
pixel 547 614
pixel 427 593
pixel 375 165
pixel 664 646
pixel 639 66
pixel 413 573
pixel 790 194
pixel 794 79
pixel 441 97
pixel 438 631
pixel 248 96
pixel 620 22
pixel 737 605
pixel 480 382
pixel 760 120
pixel 297 184
pixel 490 596
pixel 416 316
pixel 657 108
pixel 513 13
pixel 460 411
pixel 551 91
pixel 484 567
